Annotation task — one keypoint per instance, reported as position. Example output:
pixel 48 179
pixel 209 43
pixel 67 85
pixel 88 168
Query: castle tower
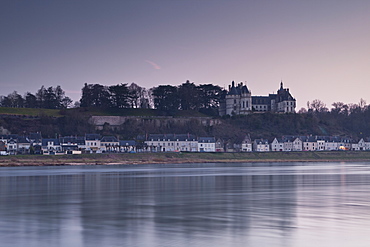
pixel 238 100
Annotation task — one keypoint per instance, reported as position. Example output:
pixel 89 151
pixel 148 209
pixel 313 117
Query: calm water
pixel 264 204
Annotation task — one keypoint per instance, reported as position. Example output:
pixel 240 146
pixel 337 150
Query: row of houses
pixel 90 143
pixel 181 143
pixel 95 143
pixel 173 143
pixel 305 143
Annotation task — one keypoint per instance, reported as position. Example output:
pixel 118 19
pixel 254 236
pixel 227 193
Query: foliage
pixel 95 95
pixel 47 98
pixel 187 96
pixel 166 98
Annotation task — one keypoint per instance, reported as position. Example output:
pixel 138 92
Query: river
pixel 227 204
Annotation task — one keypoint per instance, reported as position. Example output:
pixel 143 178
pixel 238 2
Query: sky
pixel 319 49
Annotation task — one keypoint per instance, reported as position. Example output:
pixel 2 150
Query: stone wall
pixel 115 121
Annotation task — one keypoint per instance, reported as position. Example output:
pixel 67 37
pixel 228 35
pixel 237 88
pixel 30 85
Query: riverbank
pixel 158 158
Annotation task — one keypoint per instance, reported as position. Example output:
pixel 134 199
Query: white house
pixel 277 145
pixel 346 144
pixel 261 145
pixel 51 146
pixel 320 144
pixel 109 144
pixel 247 144
pixel 288 143
pixel 172 143
pixel 12 146
pixel 127 146
pixel 332 143
pixel 367 143
pixel 206 144
pixel 361 144
pixel 297 144
pixel 309 144
pixel 69 143
pixel 355 146
pixel 92 142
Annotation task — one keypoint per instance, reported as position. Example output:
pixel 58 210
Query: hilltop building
pixel 239 100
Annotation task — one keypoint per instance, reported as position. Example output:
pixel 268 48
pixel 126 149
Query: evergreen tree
pixel 30 100
pixel 189 96
pixel 166 98
pixel 119 95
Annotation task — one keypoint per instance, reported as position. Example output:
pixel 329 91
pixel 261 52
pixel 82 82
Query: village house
pixel 206 144
pixel 92 143
pixel 292 143
pixel 172 143
pixel 355 146
pixel 297 144
pixel 3 148
pixel 247 144
pixel 309 144
pixel 51 146
pixel 288 143
pixel 332 143
pixel 344 143
pixel 277 145
pixel 68 144
pixel 261 145
pixel 11 146
pixel 219 145
pixel 127 146
pixel 35 139
pixel 320 144
pixel 109 144
pixel 23 145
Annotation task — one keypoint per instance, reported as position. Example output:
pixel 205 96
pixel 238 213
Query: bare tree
pixel 339 108
pixel 317 106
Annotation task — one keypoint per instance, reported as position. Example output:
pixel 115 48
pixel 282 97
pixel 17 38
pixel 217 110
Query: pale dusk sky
pixel 319 49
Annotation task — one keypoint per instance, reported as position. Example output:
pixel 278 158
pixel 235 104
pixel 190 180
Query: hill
pixel 76 121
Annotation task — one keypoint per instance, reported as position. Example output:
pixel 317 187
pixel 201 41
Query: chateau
pixel 239 100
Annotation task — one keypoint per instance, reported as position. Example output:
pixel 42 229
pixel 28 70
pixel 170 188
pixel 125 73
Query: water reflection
pixel 272 204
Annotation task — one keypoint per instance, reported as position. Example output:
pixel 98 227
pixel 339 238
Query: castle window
pixel 243 104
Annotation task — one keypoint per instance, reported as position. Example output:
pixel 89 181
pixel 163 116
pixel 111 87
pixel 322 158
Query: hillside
pixel 143 121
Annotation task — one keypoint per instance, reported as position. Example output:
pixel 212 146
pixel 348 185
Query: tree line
pixel 318 106
pixel 187 96
pixel 49 98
